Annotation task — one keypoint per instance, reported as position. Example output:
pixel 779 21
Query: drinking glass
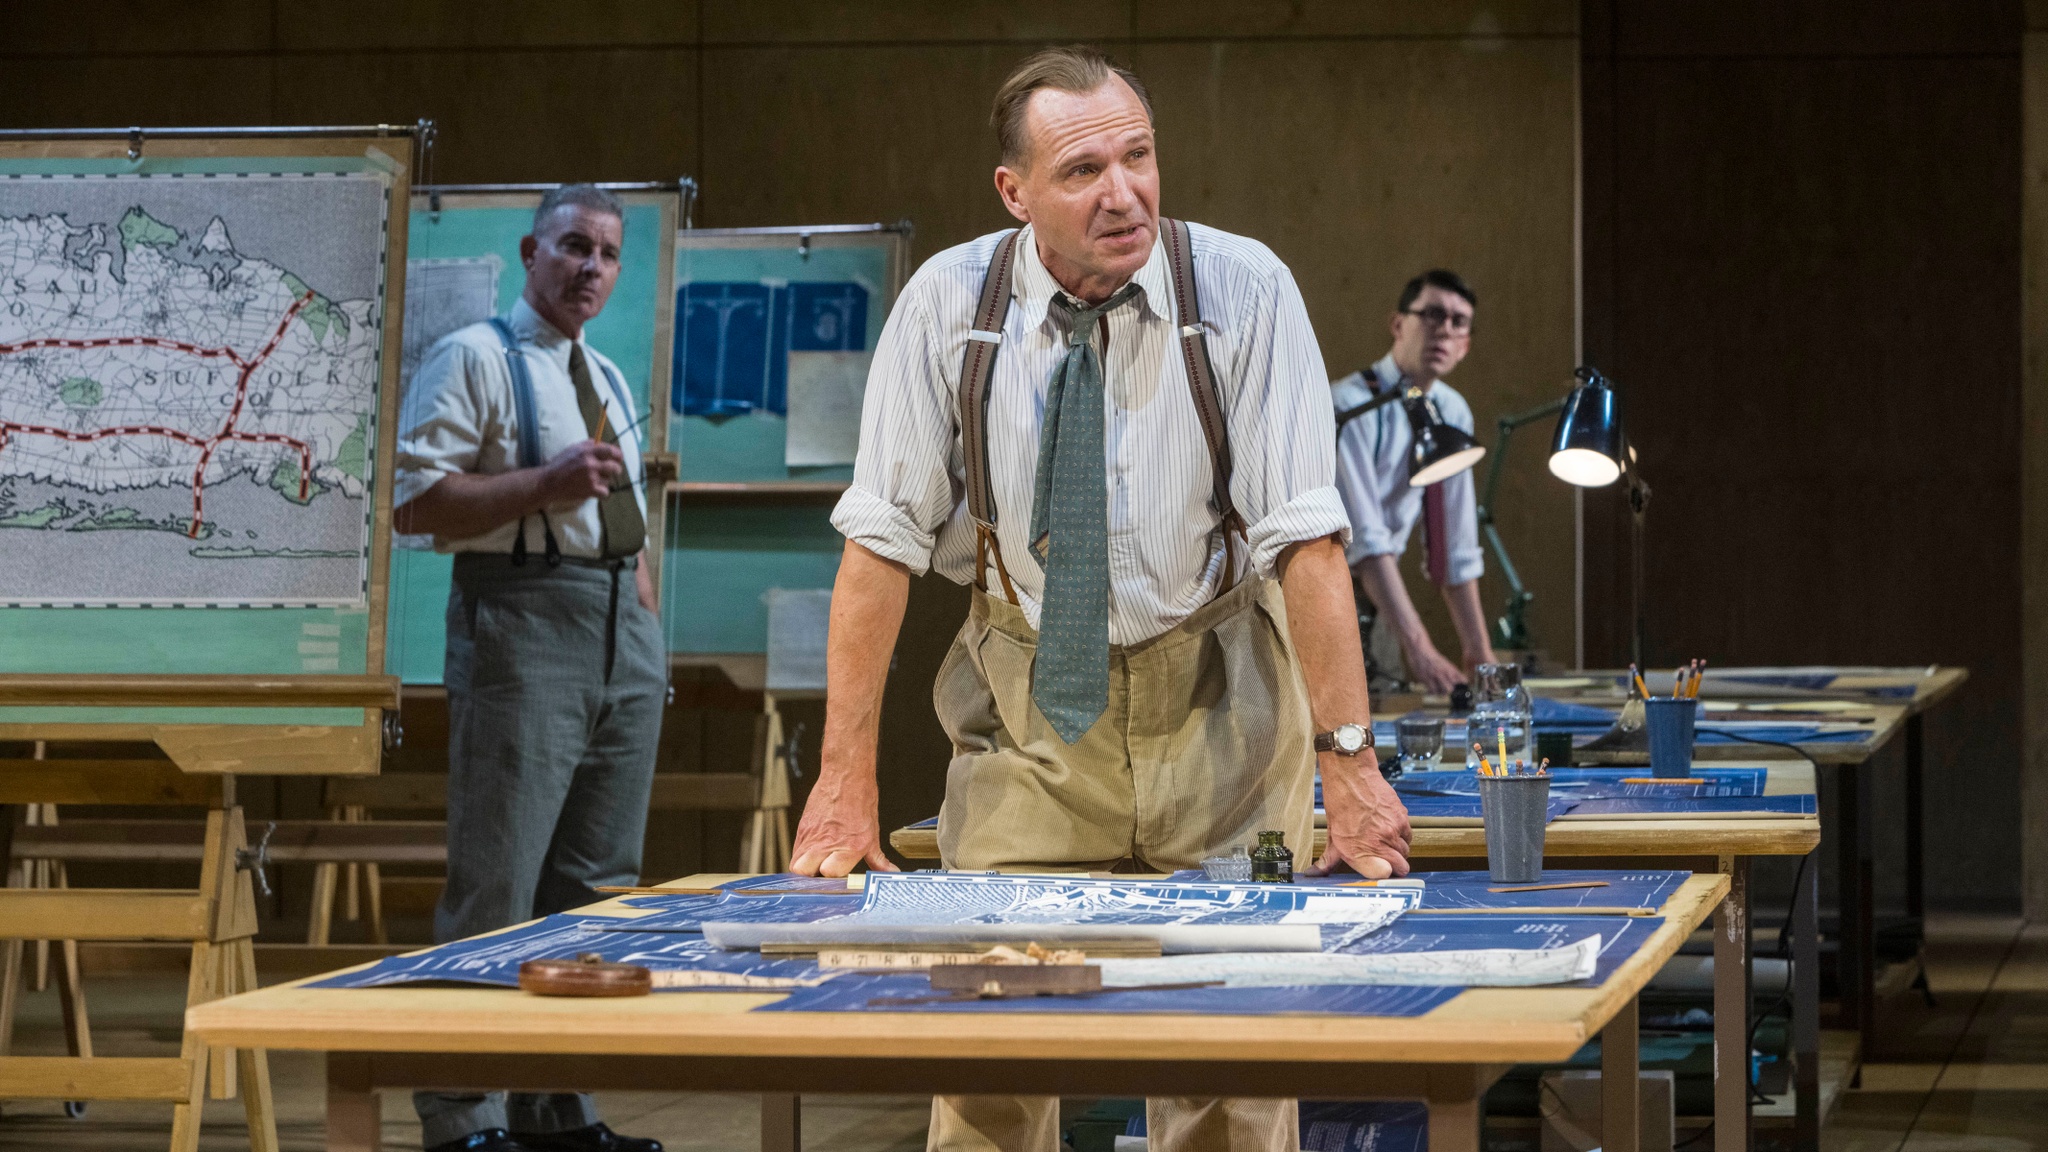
pixel 1420 740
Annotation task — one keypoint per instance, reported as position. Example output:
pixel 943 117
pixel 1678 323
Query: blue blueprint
pixel 1730 807
pixel 1643 889
pixel 936 899
pixel 734 339
pixel 494 960
pixel 852 993
pixel 1620 936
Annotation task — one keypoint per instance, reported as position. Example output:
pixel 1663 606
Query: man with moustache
pixel 517 453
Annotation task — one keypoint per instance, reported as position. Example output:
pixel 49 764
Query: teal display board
pixel 463 265
pixel 194 413
pixel 773 332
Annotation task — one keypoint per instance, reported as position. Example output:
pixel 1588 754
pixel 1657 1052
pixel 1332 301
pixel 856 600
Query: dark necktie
pixel 1070 531
pixel 618 514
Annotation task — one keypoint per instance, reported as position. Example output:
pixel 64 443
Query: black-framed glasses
pixel 1435 317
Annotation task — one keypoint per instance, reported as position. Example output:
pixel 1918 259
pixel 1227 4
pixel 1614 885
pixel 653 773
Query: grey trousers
pixel 556 679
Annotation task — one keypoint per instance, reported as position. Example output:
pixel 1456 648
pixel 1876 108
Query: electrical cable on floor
pixel 1963 1033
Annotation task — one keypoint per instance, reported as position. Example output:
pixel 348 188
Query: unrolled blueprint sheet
pixel 1606 782
pixel 495 959
pixel 1474 890
pixel 853 994
pixel 1490 967
pixel 939 908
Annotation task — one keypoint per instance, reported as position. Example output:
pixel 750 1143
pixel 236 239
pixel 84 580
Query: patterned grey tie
pixel 1070 531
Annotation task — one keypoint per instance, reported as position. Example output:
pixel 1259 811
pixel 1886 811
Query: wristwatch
pixel 1345 739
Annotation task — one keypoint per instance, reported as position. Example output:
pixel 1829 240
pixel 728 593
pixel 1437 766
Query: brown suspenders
pixel 978 369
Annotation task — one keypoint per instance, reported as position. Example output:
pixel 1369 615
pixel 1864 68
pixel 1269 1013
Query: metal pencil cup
pixel 1670 720
pixel 1515 809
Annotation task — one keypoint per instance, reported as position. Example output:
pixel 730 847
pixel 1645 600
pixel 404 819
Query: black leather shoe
pixel 488 1140
pixel 596 1138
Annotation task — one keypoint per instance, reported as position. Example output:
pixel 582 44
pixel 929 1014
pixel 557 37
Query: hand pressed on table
pixel 839 830
pixel 1368 825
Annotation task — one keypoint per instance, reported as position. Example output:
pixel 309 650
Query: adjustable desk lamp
pixel 1591 450
pixel 1439 451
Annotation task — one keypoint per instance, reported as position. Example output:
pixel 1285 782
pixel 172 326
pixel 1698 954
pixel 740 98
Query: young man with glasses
pixel 1432 330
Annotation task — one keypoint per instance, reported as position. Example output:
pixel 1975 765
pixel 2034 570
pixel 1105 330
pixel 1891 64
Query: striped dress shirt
pixel 1372 474
pixel 907 500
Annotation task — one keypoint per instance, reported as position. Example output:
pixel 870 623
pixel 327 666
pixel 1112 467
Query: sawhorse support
pixel 218 919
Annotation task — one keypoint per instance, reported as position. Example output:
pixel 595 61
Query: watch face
pixel 1350 739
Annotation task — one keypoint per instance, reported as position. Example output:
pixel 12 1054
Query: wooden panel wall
pixel 2034 474
pixel 1802 263
pixel 1363 141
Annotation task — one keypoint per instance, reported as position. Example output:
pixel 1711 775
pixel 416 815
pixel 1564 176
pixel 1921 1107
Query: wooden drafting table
pixel 1707 846
pixel 1901 696
pixel 417 1037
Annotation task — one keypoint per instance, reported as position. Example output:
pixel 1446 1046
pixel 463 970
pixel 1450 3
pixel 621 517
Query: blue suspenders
pixel 528 419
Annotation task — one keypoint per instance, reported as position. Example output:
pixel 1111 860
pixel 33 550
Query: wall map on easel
pixel 188 388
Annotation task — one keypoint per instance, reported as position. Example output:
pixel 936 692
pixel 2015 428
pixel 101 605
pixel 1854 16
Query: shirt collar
pixel 1386 374
pixel 1033 288
pixel 532 328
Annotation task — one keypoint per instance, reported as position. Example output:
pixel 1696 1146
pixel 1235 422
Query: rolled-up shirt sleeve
pixel 904 487
pixel 442 423
pixel 1282 432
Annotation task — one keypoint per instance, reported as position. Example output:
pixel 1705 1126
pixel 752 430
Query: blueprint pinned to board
pixel 938 908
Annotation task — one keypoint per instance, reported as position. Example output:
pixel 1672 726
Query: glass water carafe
pixel 1501 714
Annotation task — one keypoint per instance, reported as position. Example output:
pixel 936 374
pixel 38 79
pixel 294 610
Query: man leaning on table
pixel 556 665
pixel 1152 659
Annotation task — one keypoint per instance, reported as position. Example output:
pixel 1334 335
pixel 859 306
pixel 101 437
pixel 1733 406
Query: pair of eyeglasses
pixel 1442 318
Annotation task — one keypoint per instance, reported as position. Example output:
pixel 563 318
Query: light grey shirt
pixel 459 416
pixel 1372 473
pixel 907 500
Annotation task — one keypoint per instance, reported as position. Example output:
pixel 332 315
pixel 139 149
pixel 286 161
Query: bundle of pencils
pixel 1509 768
pixel 1685 682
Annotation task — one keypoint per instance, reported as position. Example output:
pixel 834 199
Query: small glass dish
pixel 1235 868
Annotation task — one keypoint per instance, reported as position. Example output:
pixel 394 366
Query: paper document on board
pixel 1472 968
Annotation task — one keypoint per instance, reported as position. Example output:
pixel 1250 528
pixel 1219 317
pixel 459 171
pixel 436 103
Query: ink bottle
pixel 1272 863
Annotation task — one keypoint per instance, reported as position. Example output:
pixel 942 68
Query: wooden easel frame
pixel 219 917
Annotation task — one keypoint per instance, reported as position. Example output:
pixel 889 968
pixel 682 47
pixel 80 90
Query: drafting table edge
pixel 1481 1025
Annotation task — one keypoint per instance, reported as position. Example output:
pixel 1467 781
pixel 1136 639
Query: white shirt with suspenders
pixel 471 407
pixel 910 497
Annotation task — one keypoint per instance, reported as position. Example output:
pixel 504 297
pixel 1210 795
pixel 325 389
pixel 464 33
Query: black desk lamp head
pixel 1440 451
pixel 1591 450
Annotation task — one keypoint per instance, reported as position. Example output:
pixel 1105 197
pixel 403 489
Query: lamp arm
pixel 1512 631
pixel 1372 405
pixel 1507 426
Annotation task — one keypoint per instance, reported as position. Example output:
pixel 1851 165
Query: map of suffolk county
pixel 188 388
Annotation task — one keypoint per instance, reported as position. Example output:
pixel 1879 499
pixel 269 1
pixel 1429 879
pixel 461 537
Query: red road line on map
pixel 123 342
pixel 206 447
